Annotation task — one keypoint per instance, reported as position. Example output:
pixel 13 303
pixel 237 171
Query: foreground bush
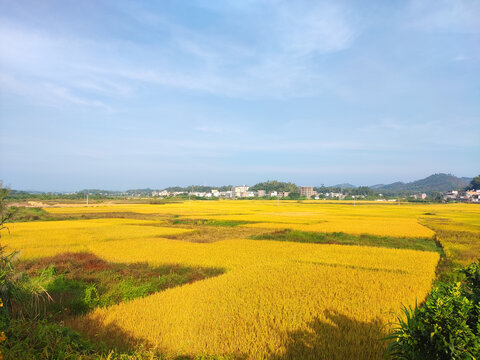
pixel 447 326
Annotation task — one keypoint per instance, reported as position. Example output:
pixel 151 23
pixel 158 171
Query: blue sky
pixel 119 94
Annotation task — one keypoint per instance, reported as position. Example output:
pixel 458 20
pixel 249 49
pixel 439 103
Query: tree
pixel 294 195
pixel 475 183
pixel 5 213
pixel 437 196
pixel 275 185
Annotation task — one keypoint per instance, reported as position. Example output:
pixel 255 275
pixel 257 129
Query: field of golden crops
pixel 274 300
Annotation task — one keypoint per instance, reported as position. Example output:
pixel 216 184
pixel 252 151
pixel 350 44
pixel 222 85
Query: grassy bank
pixel 350 239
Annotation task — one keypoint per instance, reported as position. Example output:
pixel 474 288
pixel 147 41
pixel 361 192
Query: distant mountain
pixel 377 186
pixel 432 183
pixel 345 186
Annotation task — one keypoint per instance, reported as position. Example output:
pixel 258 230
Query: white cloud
pixel 276 65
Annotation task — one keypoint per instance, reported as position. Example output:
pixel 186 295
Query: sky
pixel 130 94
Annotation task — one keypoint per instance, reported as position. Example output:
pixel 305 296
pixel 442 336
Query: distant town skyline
pixel 120 95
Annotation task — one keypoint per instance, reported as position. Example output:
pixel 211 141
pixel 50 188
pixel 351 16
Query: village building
pixel 306 191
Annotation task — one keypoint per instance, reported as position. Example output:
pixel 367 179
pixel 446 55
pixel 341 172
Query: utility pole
pixel 353 200
pixel 87 198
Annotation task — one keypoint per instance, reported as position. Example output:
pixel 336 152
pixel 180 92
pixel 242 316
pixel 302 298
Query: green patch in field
pixel 25 214
pixel 79 282
pixel 349 239
pixel 211 222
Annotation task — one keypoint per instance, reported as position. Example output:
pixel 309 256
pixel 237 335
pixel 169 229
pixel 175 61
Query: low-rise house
pixel 226 194
pixel 241 191
pixel 422 196
pixel 335 195
pixel 473 196
pixel 261 193
pixel 451 195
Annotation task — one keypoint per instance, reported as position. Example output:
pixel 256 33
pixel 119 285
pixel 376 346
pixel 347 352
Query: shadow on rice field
pixel 312 344
pixel 306 344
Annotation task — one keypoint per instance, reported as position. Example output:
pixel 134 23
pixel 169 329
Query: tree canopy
pixel 274 185
pixel 475 183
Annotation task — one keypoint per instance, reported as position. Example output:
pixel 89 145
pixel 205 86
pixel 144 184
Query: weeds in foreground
pixel 446 327
pixel 79 282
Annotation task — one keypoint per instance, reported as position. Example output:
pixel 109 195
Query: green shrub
pixel 91 297
pixel 39 339
pixel 446 327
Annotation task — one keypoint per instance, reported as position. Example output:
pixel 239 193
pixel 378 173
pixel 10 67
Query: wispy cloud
pixel 306 28
pixel 46 94
pixel 277 65
pixel 451 16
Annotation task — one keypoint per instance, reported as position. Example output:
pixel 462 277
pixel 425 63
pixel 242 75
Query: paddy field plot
pixel 274 299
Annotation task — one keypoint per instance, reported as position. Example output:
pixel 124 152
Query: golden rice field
pixel 275 300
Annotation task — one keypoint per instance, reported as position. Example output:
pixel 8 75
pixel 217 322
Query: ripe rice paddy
pixel 275 299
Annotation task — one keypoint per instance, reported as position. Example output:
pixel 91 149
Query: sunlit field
pixel 274 299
